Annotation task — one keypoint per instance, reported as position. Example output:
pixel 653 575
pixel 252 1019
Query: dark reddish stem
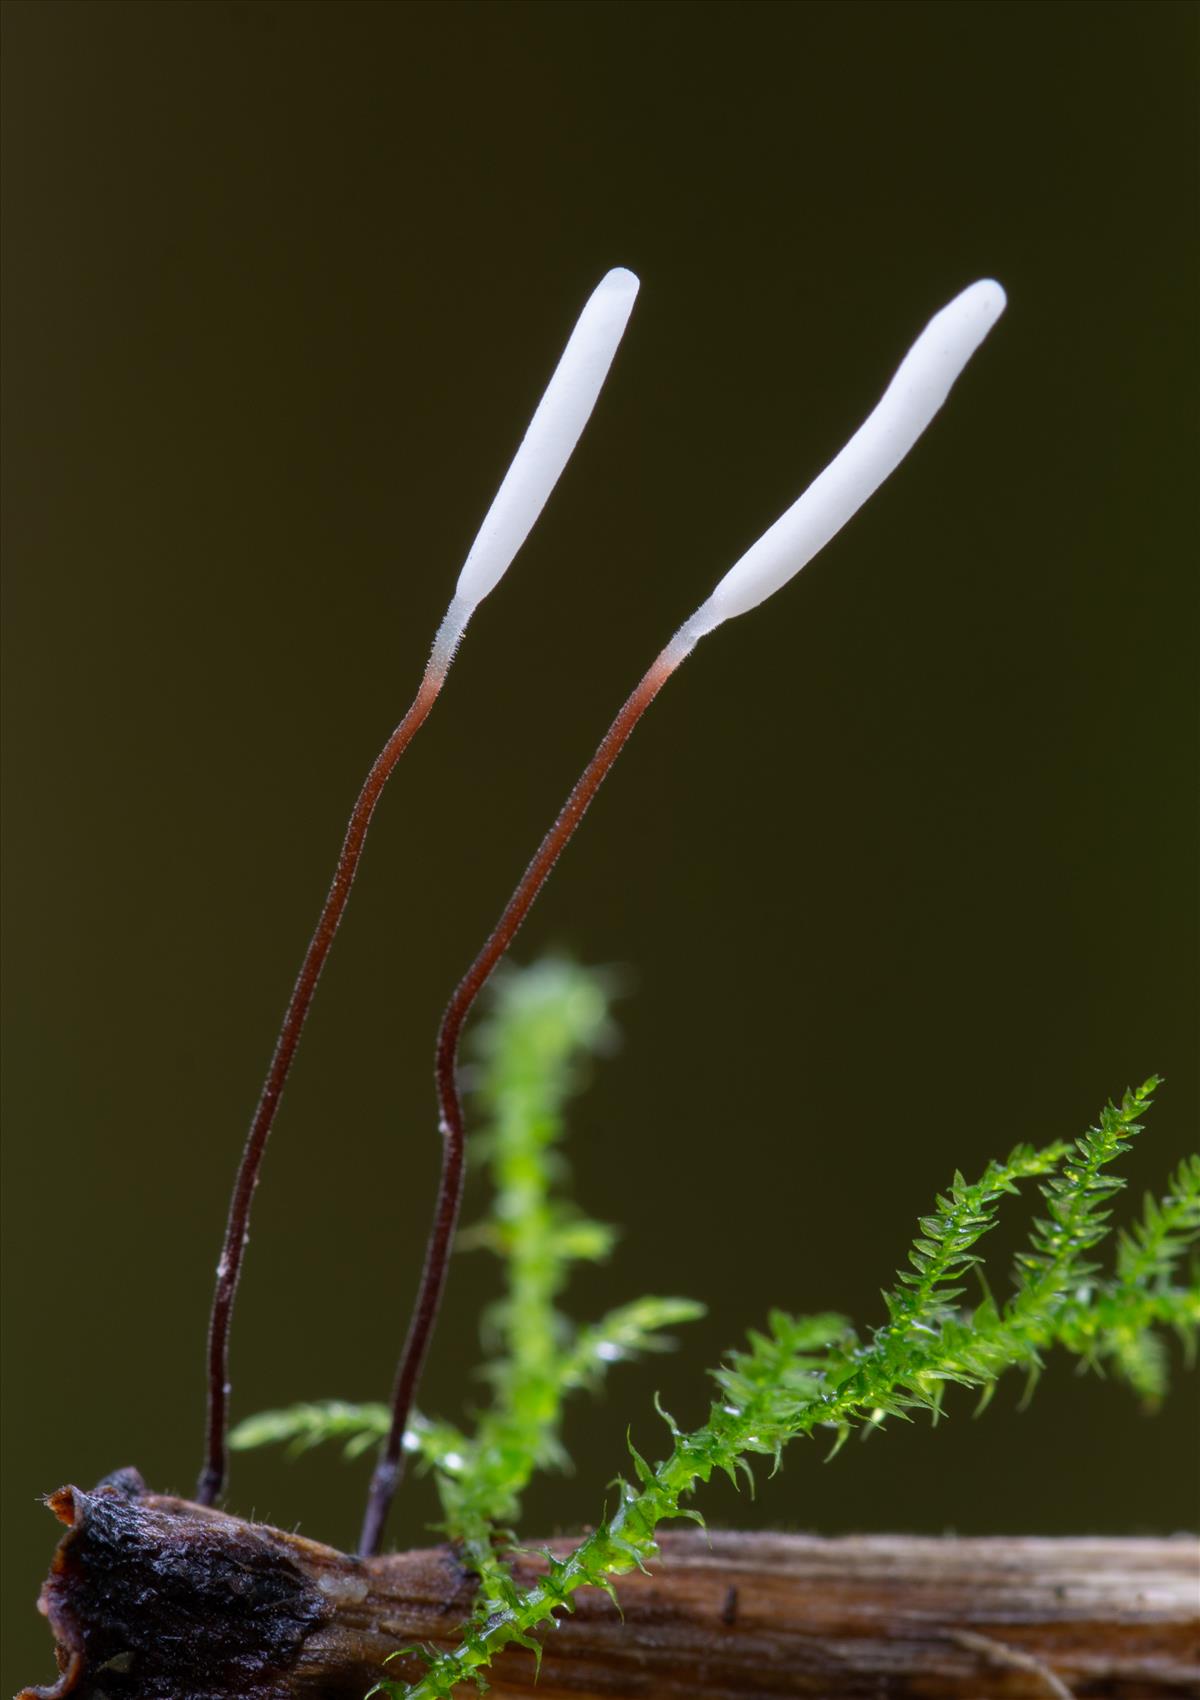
pixel 212 1478
pixel 390 1468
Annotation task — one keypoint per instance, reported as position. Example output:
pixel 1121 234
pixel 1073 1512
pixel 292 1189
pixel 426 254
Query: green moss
pixel 798 1376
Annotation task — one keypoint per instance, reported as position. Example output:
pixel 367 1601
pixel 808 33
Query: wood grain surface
pixel 153 1598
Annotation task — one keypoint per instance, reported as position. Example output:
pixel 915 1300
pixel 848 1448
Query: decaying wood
pixel 153 1598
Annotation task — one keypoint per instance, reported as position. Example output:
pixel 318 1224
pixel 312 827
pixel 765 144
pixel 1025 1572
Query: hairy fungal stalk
pixel 553 432
pixel 917 391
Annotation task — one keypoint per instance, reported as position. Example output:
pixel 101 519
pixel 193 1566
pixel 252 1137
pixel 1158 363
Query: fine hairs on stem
pixel 545 449
pixel 916 392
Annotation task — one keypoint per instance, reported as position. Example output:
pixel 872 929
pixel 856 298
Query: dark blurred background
pixel 899 871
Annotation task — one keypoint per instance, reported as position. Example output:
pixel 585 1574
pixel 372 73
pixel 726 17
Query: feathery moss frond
pixel 807 1373
pixel 301 1427
pixel 1149 1251
pixel 358 1427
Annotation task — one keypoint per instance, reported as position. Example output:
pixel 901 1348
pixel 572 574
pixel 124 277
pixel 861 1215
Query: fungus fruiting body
pixel 917 391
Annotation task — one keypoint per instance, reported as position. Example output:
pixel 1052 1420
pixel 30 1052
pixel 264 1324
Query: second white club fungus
pixel 922 382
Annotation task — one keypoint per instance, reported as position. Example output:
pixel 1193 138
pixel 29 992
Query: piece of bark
pixel 153 1598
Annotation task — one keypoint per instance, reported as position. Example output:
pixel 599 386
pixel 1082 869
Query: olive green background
pixel 899 871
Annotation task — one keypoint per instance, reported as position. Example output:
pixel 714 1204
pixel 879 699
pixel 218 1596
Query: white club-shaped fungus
pixel 920 386
pixel 553 432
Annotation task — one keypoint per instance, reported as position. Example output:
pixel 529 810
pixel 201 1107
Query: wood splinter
pixel 155 1598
